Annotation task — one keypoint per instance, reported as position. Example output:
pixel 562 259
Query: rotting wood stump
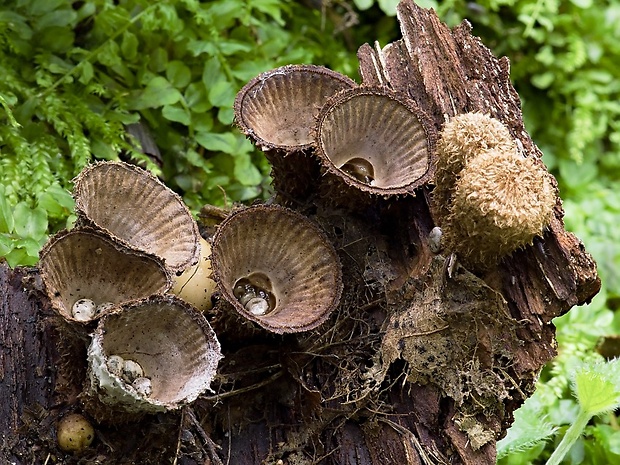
pixel 423 361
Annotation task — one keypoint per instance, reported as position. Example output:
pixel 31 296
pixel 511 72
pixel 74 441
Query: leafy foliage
pixel 77 73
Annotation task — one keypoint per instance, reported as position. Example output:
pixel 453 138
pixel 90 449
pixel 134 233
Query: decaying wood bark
pixel 423 362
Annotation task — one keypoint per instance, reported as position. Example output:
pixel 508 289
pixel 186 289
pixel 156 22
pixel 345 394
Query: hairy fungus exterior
pixel 462 139
pixel 134 206
pixel 500 202
pixel 277 255
pixel 376 141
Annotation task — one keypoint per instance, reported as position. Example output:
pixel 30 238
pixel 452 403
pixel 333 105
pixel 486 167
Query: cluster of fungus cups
pixel 490 199
pixel 365 139
pixel 108 278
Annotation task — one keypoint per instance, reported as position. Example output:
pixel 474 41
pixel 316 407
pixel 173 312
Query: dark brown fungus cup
pixel 276 111
pixel 134 206
pixel 85 272
pixel 276 268
pixel 376 141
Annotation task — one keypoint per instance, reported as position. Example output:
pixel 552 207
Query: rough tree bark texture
pixel 423 362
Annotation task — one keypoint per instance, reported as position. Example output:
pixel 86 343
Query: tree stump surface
pixel 423 362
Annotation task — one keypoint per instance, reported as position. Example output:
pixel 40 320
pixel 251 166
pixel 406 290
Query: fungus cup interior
pixel 138 209
pixel 375 140
pixel 173 343
pixel 277 108
pixel 86 264
pixel 283 253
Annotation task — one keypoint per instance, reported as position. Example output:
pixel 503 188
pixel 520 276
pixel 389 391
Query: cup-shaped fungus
pixel 276 111
pixel 500 202
pixel 376 141
pixel 277 108
pixel 152 355
pixel 277 268
pixel 462 139
pixel 85 272
pixel 133 205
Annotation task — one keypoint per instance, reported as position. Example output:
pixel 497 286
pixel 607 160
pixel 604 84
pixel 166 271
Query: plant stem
pixel 570 437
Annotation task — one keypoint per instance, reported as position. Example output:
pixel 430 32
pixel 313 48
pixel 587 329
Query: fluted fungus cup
pixel 132 205
pixel 276 268
pixel 86 273
pixel 376 141
pixel 151 355
pixel 276 109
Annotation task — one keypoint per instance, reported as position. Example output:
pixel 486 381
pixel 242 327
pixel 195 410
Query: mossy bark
pixel 423 362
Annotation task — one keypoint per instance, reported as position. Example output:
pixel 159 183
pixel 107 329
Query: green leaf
pixel 30 222
pixel 363 4
pixel 103 150
pixel 231 47
pixel 530 428
pixel 543 80
pixel 198 47
pixel 388 6
pixel 41 7
pixel 226 142
pixel 245 171
pixel 582 3
pixel 202 122
pixel 57 39
pixel 57 201
pixel 212 72
pixel 176 113
pixel 226 115
pixel 57 18
pixel 6 244
pixel 597 387
pixel 178 73
pixel 20 256
pixel 159 59
pixel 158 92
pixel 87 72
pixel 7 223
pixel 196 97
pixel 221 94
pixel 129 45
